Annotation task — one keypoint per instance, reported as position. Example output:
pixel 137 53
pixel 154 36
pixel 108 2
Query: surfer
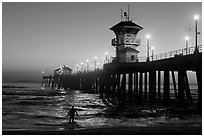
pixel 71 114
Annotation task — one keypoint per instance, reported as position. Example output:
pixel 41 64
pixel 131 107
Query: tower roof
pixel 126 24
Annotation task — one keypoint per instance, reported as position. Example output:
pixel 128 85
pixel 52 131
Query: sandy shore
pixel 188 130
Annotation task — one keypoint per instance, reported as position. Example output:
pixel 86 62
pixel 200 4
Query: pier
pixel 141 80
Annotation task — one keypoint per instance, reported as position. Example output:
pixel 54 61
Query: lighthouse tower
pixel 126 42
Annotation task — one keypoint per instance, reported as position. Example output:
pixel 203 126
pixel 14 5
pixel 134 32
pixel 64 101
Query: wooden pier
pixel 142 81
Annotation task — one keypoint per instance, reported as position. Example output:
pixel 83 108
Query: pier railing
pixel 172 54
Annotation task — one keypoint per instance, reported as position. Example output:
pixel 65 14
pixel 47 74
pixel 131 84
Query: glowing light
pixel 148 36
pixel 152 48
pixel 87 60
pixel 95 57
pixel 82 63
pixel 43 72
pixel 196 17
pixel 186 38
pixel 77 65
pixel 106 53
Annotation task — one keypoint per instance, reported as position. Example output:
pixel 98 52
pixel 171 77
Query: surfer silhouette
pixel 71 114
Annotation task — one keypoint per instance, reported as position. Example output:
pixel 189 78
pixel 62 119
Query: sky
pixel 40 37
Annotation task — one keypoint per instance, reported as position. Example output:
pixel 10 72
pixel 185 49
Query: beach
pixel 162 130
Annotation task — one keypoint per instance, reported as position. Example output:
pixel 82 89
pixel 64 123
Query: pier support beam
pixel 152 86
pixel 145 86
pixel 166 87
pixel 114 84
pixel 187 87
pixel 199 82
pixel 108 86
pixel 174 84
pixel 141 86
pixel 103 78
pixel 123 86
pixel 136 84
pixel 181 88
pixel 118 87
pixel 130 86
pixel 97 84
pixel 60 82
pixel 159 86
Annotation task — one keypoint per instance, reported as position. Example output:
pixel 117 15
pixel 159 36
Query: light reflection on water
pixel 47 111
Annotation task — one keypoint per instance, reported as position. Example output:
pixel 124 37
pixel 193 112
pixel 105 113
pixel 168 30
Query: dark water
pixel 45 109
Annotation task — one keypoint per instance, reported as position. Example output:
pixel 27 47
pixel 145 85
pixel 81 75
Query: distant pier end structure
pixel 126 41
pixel 58 79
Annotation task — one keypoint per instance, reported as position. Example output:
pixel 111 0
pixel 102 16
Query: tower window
pixel 132 57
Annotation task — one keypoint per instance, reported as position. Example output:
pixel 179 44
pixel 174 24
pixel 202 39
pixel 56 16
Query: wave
pixel 34 92
pixel 95 106
pixel 8 86
pixel 27 103
pixel 48 117
pixel 65 125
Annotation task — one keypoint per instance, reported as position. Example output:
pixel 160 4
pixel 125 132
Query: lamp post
pixel 77 66
pixel 82 67
pixel 97 65
pixel 196 17
pixel 87 63
pixel 186 38
pixel 106 53
pixel 95 61
pixel 148 37
pixel 152 48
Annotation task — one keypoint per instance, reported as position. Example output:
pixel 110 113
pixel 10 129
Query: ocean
pixel 27 106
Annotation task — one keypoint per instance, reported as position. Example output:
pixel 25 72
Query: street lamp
pixel 82 66
pixel 106 53
pixel 98 65
pixel 77 68
pixel 196 17
pixel 95 61
pixel 148 37
pixel 186 38
pixel 87 61
pixel 152 48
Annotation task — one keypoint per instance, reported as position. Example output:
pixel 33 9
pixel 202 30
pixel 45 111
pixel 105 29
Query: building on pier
pixel 126 42
pixel 63 70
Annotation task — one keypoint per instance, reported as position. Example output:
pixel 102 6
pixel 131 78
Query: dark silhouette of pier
pixel 144 79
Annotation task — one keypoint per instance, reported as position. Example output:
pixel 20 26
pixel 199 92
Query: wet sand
pixel 161 130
